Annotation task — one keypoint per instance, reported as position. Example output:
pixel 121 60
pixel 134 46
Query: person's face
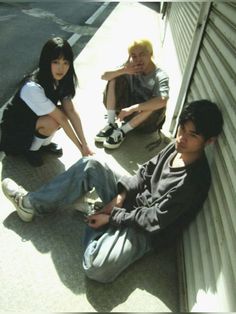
pixel 141 57
pixel 59 68
pixel 188 141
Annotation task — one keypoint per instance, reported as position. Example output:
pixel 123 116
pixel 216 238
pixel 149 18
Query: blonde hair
pixel 145 43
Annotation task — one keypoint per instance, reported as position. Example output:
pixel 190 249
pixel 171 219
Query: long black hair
pixel 55 48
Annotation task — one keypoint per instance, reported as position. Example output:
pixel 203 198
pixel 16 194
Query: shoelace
pixel 18 195
pixel 116 134
pixel 107 127
pixel 17 198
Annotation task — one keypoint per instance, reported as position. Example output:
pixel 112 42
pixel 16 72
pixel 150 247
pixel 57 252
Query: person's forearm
pixel 61 118
pixel 115 202
pixel 74 118
pixel 71 134
pixel 151 105
pixel 121 198
pixel 110 75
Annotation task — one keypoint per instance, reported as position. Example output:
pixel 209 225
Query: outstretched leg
pixel 82 177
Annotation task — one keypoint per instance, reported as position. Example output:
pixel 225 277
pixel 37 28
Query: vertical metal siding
pixel 192 53
pixel 183 19
pixel 210 242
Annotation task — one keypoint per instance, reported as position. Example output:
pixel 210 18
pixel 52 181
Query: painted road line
pixel 73 39
pixel 97 13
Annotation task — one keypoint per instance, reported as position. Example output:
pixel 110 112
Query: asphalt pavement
pixel 40 262
pixel 26 26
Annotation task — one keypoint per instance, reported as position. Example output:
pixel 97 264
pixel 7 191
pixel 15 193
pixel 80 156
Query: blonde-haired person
pixel 136 94
pixel 145 43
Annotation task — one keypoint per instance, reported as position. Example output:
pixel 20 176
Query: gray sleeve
pixel 161 88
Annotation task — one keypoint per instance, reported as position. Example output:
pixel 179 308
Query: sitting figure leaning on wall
pixel 140 212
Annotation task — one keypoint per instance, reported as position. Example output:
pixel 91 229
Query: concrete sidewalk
pixel 40 262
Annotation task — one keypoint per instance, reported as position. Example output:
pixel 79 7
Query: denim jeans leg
pixel 66 188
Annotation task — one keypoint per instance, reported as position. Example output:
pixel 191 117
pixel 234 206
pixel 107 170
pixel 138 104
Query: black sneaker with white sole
pixel 105 133
pixel 114 141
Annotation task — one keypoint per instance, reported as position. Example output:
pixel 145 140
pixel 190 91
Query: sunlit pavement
pixel 40 264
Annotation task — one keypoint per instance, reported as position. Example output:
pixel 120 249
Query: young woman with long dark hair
pixel 43 104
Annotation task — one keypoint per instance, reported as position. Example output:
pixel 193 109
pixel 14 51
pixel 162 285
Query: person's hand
pixel 97 220
pixel 86 151
pixel 116 202
pixel 131 68
pixel 125 112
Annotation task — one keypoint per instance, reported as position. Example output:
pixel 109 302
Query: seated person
pixel 137 92
pixel 140 212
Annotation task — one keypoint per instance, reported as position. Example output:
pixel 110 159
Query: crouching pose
pixel 140 212
pixel 43 104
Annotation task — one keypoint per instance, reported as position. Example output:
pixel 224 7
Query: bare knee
pixel 46 125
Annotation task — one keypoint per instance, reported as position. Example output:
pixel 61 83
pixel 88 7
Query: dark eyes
pixel 65 62
pixel 188 133
pixel 193 135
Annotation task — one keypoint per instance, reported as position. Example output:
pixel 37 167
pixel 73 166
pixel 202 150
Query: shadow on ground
pixel 142 147
pixel 150 274
pixel 61 235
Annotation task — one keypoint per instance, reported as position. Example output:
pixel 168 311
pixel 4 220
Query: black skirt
pixel 18 127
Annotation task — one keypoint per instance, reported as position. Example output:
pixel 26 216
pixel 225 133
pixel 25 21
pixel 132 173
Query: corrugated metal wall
pixel 210 242
pixel 186 21
pixel 183 18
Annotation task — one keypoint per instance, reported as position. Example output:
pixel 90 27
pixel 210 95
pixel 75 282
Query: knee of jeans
pixel 95 163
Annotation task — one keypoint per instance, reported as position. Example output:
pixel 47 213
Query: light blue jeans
pixel 109 250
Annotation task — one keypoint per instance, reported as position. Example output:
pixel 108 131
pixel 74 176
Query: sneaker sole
pixel 26 217
pixel 58 153
pixel 112 146
pixel 100 139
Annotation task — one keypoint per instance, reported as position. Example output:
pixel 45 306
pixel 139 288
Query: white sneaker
pixel 85 208
pixel 15 194
pixel 88 207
